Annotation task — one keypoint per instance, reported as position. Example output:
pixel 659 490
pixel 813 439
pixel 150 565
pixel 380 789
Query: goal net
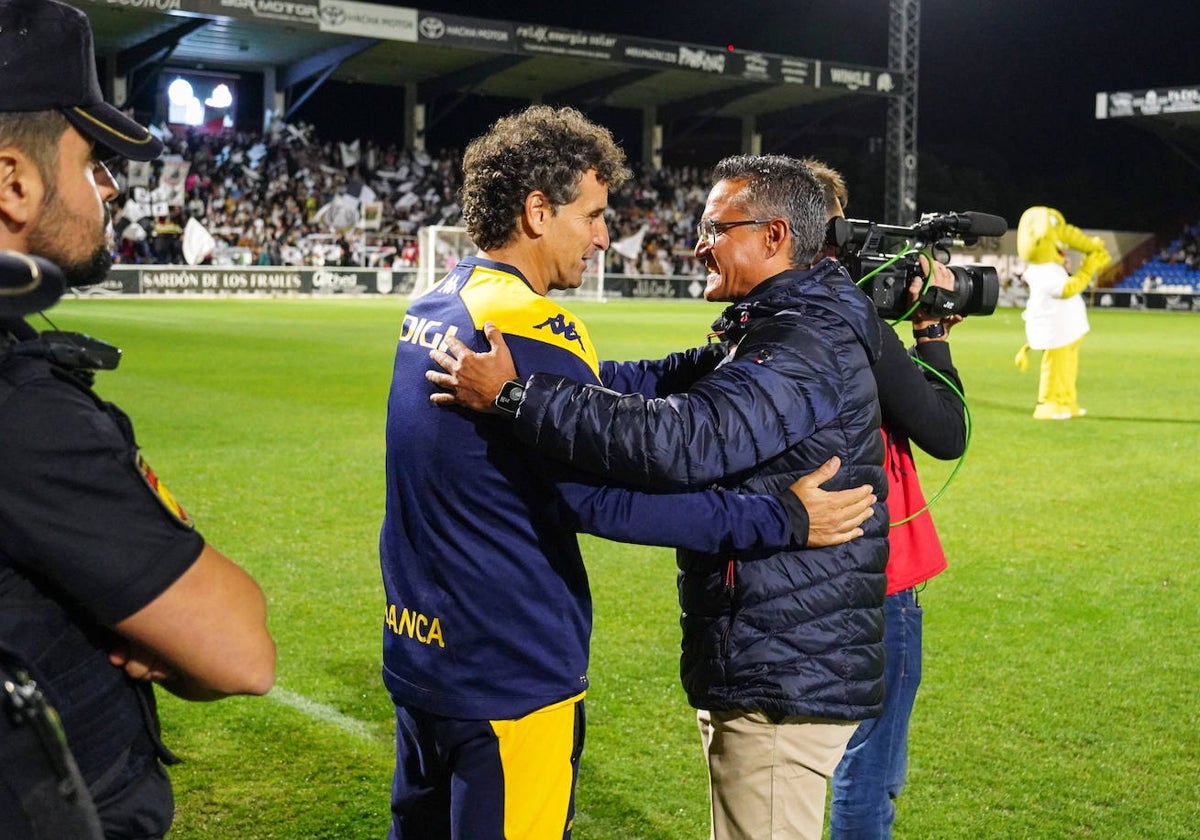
pixel 440 247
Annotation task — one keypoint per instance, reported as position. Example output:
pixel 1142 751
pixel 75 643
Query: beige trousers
pixel 767 780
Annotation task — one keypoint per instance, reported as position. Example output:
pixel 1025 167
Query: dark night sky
pixel 1006 91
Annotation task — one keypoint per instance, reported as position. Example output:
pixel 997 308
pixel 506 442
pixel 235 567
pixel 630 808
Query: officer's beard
pixel 89 272
pixel 58 224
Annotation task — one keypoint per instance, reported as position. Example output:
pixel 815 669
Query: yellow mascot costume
pixel 1055 316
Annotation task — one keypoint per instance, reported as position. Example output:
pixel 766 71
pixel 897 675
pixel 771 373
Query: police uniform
pixel 42 794
pixel 87 538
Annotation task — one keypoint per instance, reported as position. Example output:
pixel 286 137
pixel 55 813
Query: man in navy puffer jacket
pixel 782 652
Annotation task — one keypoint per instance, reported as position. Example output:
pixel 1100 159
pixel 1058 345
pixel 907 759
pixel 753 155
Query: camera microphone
pixel 980 224
pixel 28 284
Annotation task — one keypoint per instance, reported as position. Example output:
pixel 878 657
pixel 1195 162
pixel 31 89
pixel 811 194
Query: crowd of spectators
pixel 287 197
pixel 1174 269
pixel 1185 249
pixel 653 222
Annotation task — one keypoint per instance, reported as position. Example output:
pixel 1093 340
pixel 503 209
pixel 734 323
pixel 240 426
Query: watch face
pixel 510 396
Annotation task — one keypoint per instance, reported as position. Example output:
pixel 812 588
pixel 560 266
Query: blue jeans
pixel 871 774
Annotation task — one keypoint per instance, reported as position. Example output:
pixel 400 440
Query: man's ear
pixel 778 237
pixel 537 211
pixel 21 187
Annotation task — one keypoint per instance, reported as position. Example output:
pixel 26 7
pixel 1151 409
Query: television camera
pixel 862 246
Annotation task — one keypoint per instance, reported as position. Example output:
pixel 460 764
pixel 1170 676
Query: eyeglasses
pixel 708 229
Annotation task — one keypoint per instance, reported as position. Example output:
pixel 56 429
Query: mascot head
pixel 1039 235
pixel 1043 236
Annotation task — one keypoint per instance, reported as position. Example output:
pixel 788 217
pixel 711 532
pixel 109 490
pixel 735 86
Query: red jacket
pixel 915 552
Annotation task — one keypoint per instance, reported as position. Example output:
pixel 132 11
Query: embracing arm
pixel 473 380
pixel 817 517
pixel 743 413
pixel 721 520
pixel 726 423
pixel 658 378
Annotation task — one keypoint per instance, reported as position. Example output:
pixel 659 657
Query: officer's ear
pixel 22 188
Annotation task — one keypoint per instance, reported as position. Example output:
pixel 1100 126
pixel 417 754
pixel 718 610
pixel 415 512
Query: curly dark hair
pixel 777 185
pixel 539 148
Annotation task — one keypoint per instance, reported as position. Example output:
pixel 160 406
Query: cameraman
pixel 105 585
pixel 918 408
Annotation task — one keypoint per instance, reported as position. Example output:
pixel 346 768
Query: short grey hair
pixel 780 186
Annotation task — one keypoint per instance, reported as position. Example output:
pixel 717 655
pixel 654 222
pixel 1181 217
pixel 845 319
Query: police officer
pixel 42 793
pixel 106 587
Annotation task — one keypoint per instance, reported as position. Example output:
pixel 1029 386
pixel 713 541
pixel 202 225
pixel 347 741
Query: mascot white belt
pixel 1055 316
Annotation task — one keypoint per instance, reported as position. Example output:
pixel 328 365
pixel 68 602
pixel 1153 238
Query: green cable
pixel 907 249
pixel 966 443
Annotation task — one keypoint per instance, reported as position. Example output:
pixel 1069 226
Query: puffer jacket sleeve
pixel 779 386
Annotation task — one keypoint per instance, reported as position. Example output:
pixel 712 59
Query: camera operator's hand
pixel 922 319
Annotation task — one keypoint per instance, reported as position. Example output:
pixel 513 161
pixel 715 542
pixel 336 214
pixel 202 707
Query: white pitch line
pixel 323 713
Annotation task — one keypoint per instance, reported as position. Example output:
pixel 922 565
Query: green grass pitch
pixel 1060 682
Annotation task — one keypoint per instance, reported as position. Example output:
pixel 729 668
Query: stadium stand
pixel 285 199
pixel 1175 269
pixel 290 198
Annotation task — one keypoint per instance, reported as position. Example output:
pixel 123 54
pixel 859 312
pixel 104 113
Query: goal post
pixel 440 247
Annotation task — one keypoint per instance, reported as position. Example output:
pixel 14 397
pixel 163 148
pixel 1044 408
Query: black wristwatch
pixel 934 330
pixel 509 399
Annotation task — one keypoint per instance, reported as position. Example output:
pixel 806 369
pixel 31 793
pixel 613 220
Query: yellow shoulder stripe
pixel 506 300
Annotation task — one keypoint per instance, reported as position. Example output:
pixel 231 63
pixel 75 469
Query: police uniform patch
pixel 161 492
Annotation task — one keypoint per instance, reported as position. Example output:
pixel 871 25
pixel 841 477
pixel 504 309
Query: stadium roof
pixel 1170 113
pixel 307 41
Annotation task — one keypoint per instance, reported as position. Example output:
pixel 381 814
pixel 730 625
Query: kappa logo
pixel 559 326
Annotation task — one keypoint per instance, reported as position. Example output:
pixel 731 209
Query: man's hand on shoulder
pixel 472 380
